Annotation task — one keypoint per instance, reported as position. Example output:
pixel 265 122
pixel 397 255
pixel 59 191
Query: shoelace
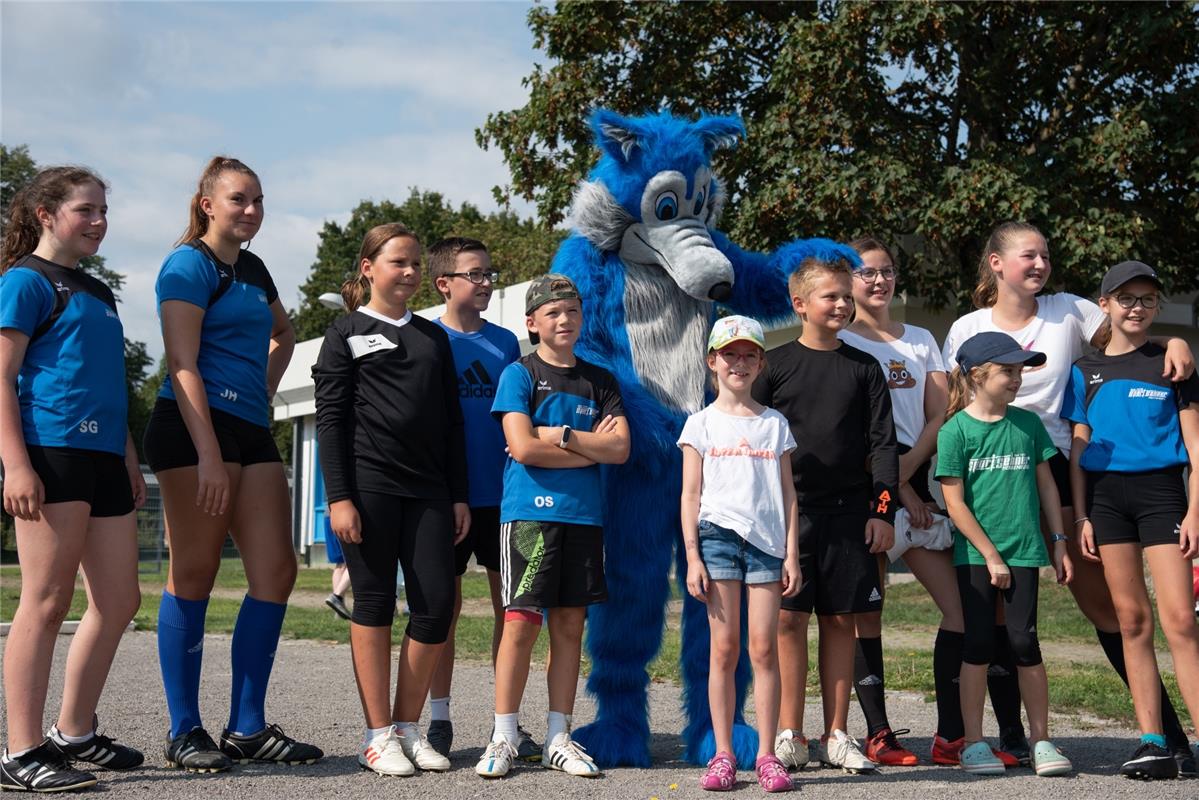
pixel 496 749
pixel 575 750
pixel 890 740
pixel 199 739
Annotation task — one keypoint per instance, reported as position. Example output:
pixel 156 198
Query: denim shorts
pixel 728 557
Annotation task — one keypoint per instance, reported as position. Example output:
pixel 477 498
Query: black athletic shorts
pixel 840 574
pixel 168 445
pixel 95 477
pixel 551 565
pixel 483 541
pixel 1059 465
pixel 1142 507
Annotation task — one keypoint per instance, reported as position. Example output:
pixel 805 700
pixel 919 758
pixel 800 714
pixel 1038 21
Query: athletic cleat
pixel 721 774
pixel 100 750
pixel 884 749
pixel 42 769
pixel 772 775
pixel 419 751
pixel 569 756
pixel 270 745
pixel 1150 763
pixel 195 751
pixel 338 604
pixel 384 755
pixel 441 735
pixel 496 761
pixel 979 759
pixel 1185 760
pixel 527 749
pixel 1048 761
pixel 840 750
pixel 1013 742
pixel 792 749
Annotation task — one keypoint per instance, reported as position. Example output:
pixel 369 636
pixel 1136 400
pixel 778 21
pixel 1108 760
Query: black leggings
pixel 419 534
pixel 1019 608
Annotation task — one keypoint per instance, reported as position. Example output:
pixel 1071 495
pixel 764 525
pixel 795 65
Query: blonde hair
pixel 197 220
pixel 49 189
pixel 356 287
pixel 803 280
pixel 962 386
pixel 986 292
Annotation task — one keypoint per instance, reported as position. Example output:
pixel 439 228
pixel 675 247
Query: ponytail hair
pixel 197 220
pixel 986 292
pixel 49 189
pixel 356 287
pixel 961 386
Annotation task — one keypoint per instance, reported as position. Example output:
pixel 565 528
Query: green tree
pixel 520 248
pixel 923 122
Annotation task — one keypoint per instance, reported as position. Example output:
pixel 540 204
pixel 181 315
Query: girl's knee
pixel 792 623
pixel 48 610
pixel 1136 623
pixel 1179 623
pixel 763 650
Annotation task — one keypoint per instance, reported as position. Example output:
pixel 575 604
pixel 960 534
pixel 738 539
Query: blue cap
pixel 996 348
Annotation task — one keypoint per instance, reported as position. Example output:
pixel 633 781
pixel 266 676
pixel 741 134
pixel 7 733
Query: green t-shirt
pixel 997 462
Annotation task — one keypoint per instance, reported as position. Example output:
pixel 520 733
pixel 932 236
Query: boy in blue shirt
pixel 562 417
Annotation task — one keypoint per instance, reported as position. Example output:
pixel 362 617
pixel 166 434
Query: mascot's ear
pixel 719 132
pixel 616 135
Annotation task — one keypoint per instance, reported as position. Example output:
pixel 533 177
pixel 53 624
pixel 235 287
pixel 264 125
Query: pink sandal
pixel 721 774
pixel 772 775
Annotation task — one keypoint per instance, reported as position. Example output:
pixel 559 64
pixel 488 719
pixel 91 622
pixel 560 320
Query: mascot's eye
pixel 699 202
pixel 667 207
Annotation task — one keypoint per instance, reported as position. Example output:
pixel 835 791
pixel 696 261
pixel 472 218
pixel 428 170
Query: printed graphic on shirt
pixel 475 381
pixel 898 376
pixel 1000 462
pixel 370 343
pixel 743 449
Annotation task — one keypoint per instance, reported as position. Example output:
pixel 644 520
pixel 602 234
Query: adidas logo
pixel 874 597
pixel 997 671
pixel 475 381
pixel 198 647
pixel 871 680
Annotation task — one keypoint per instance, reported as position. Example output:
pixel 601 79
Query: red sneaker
pixel 884 749
pixel 950 753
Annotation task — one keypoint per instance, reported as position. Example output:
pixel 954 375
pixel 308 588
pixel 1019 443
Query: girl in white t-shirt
pixel 741 530
pixel 1013 271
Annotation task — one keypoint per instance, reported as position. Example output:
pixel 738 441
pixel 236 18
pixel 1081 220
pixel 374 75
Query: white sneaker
pixel 385 756
pixel 842 751
pixel 496 760
pixel 569 756
pixel 792 749
pixel 420 752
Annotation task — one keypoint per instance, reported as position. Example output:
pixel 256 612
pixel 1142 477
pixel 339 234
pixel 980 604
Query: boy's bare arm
pixel 525 446
pixel 607 444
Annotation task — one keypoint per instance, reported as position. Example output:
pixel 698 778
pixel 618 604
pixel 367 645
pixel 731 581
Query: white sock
pixel 371 733
pixel 62 738
pixel 439 708
pixel 18 753
pixel 555 723
pixel 505 729
pixel 406 728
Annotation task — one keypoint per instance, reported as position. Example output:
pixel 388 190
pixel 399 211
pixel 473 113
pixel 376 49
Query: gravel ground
pixel 313 698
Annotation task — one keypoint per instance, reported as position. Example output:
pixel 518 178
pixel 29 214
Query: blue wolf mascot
pixel 651 268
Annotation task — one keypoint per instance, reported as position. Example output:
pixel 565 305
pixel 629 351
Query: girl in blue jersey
pixel 228 340
pixel 71 476
pixel 1134 433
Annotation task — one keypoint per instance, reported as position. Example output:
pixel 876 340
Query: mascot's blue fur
pixel 649 265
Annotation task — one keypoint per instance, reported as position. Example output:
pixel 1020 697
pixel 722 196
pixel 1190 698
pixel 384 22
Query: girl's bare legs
pixel 762 601
pixel 724 622
pixel 1175 607
pixel 1034 690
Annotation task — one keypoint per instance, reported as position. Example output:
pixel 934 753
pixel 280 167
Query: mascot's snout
pixel 684 249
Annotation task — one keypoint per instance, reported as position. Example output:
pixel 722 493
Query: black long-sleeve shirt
pixel 840 414
pixel 387 412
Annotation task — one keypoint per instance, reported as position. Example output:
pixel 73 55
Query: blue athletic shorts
pixel 728 557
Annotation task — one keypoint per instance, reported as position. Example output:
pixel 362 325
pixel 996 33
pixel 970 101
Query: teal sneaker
pixel 1048 761
pixel 977 759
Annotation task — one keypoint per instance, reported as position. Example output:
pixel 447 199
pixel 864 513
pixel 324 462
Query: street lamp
pixel 332 300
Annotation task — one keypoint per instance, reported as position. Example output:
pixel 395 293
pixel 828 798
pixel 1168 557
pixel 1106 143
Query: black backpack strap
pixel 60 302
pixel 225 273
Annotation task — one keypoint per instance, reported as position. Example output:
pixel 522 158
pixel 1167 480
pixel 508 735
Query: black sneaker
pixel 338 604
pixel 527 749
pixel 441 736
pixel 42 769
pixel 1185 760
pixel 1013 742
pixel 1150 763
pixel 100 750
pixel 271 745
pixel 195 751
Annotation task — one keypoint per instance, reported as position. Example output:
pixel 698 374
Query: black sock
pixel 1003 685
pixel 1113 648
pixel 868 682
pixel 947 666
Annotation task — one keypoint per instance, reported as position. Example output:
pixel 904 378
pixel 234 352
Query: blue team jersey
pixel 71 387
pixel 236 333
pixel 578 396
pixel 479 358
pixel 1131 409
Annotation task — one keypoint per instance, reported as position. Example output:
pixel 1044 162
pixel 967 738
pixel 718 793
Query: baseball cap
pixel 546 289
pixel 1125 271
pixel 997 348
pixel 735 328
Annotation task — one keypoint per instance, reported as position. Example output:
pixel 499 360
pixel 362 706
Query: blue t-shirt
pixel 479 358
pixel 71 387
pixel 235 335
pixel 1131 409
pixel 578 396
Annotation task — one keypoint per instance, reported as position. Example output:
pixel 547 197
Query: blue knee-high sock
pixel 255 638
pixel 180 655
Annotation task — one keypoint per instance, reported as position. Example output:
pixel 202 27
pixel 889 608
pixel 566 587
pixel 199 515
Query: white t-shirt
pixel 742 484
pixel 906 362
pixel 1064 323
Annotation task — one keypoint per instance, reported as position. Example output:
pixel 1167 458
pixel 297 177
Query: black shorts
pixel 551 565
pixel 483 541
pixel 168 445
pixel 1142 507
pixel 92 476
pixel 1059 465
pixel 840 574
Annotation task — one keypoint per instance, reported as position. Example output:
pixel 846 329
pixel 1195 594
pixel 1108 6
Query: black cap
pixel 1125 271
pixel 997 348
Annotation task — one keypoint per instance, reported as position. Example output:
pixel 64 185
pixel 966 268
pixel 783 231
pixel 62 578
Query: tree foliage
pixel 923 122
pixel 520 249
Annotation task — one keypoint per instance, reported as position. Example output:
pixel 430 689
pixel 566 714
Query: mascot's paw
pixel 615 744
pixel 745 747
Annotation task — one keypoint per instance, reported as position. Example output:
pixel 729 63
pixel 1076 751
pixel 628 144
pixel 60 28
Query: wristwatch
pixel 1058 537
pixel 565 437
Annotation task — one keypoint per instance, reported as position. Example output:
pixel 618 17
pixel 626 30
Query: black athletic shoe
pixel 195 751
pixel 100 750
pixel 1013 742
pixel 1185 760
pixel 441 735
pixel 1150 763
pixel 271 745
pixel 42 769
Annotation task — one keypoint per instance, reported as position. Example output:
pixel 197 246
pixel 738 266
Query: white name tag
pixel 370 343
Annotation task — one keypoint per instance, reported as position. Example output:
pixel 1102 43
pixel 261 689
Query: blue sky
pixel 330 102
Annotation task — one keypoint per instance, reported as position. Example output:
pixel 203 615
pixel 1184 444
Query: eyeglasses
pixel 870 275
pixel 476 277
pixel 732 357
pixel 1131 300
